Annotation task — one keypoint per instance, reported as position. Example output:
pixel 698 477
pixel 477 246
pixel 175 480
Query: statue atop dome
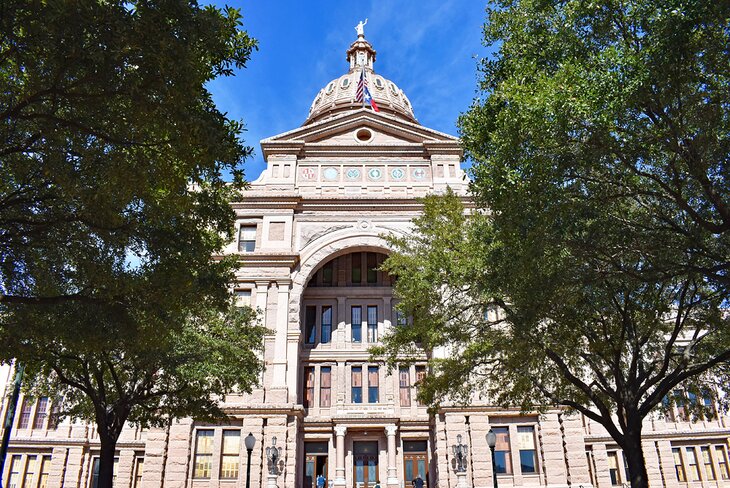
pixel 360 28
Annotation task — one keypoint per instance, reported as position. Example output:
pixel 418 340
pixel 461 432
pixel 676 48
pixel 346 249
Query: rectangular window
pixel 203 453
pixel 138 472
pixel 310 325
pixel 373 384
pixel 356 274
pixel 526 444
pixel 55 414
pixel 420 376
pixel 613 470
pixel 229 454
pixel 681 410
pixel 14 473
pixel 243 298
pixel 678 467
pixel 40 413
pixel 502 457
pixel 30 467
pixel 400 318
pixel 326 325
pixel 356 384
pixel 325 386
pixel 693 467
pixel 95 463
pixel 404 379
pixel 372 268
pixel 372 323
pixel 95 473
pixel 308 387
pixel 247 238
pixel 721 455
pixel 25 410
pixel 707 461
pixel 45 472
pixel 356 324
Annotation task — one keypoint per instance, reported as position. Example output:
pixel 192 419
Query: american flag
pixel 363 94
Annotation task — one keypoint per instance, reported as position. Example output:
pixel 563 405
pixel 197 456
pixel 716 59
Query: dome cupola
pixel 339 95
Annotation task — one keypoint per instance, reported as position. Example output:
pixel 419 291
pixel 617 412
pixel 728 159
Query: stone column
pixel 340 453
pixel 390 431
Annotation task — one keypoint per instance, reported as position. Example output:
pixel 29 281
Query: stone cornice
pixel 265 200
pixel 266 409
pixel 268 259
pixel 71 441
pixel 678 435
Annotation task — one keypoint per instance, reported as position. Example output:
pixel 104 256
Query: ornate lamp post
pixel 460 453
pixel 491 442
pixel 273 454
pixel 249 441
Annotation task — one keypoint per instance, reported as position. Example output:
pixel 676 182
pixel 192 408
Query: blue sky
pixel 429 48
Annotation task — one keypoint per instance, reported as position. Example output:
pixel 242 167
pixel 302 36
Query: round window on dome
pixel 393 89
pixel 364 135
pixel 345 82
pixel 330 88
pixel 379 83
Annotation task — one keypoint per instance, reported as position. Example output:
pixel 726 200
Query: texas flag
pixel 363 94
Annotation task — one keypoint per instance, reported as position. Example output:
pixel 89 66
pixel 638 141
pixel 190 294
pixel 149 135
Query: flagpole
pixel 362 75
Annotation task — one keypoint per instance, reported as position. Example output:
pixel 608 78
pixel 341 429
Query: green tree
pixel 600 150
pixel 145 372
pixel 114 197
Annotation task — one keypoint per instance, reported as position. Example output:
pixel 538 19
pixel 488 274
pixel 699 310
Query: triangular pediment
pixel 362 130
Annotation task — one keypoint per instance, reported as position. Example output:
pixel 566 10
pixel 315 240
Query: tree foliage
pixel 115 191
pixel 600 149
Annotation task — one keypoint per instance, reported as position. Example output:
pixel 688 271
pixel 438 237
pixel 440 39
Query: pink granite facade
pixel 309 239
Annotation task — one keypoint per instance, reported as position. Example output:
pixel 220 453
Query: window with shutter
pixel 247 238
pixel 373 385
pixel 404 379
pixel 325 389
pixel 356 384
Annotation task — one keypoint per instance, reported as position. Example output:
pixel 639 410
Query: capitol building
pixel 310 242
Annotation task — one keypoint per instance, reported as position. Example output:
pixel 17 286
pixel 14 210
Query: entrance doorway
pixel 315 463
pixel 415 461
pixel 365 464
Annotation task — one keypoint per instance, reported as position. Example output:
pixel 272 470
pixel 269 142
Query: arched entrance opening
pixel 346 307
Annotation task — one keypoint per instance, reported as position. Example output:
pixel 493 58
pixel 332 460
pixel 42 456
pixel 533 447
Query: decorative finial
pixel 360 28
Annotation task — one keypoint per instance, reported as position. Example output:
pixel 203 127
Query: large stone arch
pixel 311 261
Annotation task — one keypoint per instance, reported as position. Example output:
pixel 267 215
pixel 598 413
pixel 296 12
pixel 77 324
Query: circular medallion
pixel 419 173
pixel 330 174
pixel 375 174
pixel 308 173
pixel 397 173
pixel 353 174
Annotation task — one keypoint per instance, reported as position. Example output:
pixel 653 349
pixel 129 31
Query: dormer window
pixel 247 238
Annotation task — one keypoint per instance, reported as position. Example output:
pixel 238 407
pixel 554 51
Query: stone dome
pixel 339 95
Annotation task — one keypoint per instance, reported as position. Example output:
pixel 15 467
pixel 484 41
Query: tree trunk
pixel 106 460
pixel 635 455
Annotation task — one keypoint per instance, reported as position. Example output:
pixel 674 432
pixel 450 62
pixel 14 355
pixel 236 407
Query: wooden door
pixel 415 463
pixel 365 464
